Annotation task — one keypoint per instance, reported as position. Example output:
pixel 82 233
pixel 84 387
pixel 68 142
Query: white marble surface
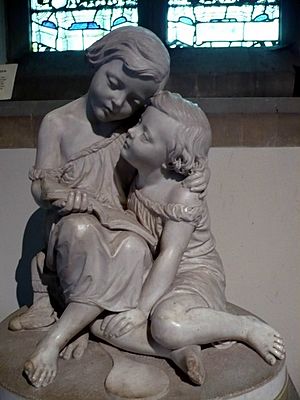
pixel 254 200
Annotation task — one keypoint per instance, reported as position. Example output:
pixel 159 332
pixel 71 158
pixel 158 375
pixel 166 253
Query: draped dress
pixel 101 258
pixel 200 272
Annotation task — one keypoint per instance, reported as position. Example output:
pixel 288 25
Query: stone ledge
pixel 238 121
pixel 210 105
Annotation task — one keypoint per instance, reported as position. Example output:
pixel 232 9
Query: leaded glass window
pixel 59 25
pixel 223 23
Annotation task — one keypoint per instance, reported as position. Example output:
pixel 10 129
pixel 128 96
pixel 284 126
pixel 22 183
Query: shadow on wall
pixel 33 242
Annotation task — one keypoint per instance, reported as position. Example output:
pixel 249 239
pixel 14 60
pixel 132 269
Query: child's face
pixel 114 95
pixel 147 144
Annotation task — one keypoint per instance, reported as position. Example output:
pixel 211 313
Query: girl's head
pixel 191 141
pixel 132 65
pixel 173 132
pixel 141 51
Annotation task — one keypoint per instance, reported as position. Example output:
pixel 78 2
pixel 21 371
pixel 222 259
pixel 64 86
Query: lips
pixel 126 145
pixel 107 110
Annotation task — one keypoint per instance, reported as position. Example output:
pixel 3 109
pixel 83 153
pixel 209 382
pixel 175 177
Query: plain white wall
pixel 254 201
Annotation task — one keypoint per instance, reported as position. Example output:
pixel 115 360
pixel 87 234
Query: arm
pixel 48 153
pixel 174 241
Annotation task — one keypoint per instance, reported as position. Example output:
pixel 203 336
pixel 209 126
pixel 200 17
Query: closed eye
pixel 113 82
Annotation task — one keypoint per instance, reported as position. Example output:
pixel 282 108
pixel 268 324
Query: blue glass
pixel 223 23
pixel 59 25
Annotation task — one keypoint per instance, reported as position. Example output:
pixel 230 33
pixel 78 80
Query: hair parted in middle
pixel 192 139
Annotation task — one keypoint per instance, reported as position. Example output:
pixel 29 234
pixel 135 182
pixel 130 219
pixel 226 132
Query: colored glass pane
pixel 223 23
pixel 59 25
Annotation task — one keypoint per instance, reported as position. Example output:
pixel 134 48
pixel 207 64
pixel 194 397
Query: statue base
pixel 233 373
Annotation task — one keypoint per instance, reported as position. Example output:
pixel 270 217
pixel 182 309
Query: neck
pixel 100 127
pixel 150 178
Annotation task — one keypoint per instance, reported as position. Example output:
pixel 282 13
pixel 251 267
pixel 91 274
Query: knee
pixel 167 324
pixel 76 226
pixel 135 245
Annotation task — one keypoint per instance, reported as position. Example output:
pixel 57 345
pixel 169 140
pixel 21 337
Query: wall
pixel 254 201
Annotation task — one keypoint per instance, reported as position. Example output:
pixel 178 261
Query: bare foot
pixel 189 360
pixel 264 339
pixel 41 368
pixel 76 348
pixel 39 315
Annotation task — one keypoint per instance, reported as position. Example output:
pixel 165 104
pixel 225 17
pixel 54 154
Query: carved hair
pixel 192 139
pixel 141 50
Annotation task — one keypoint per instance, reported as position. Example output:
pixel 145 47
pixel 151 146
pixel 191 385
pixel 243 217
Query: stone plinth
pixel 233 373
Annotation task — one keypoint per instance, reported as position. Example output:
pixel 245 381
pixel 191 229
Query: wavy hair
pixel 192 139
pixel 141 51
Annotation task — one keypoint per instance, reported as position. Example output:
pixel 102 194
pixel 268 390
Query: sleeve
pixel 182 213
pixel 38 173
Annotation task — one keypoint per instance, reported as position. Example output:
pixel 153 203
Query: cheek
pixel 126 110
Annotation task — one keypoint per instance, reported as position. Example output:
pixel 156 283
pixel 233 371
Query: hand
pixel 198 182
pixel 77 202
pixel 119 324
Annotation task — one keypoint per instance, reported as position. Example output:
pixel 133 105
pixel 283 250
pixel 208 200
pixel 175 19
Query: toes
pixel 29 369
pixel 36 377
pixel 279 347
pixel 195 370
pixel 270 359
pixel 67 354
pixel 278 353
pixel 78 352
pixel 61 354
pixel 46 378
pixel 49 377
pixel 42 377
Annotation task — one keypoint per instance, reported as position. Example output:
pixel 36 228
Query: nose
pixel 118 101
pixel 130 133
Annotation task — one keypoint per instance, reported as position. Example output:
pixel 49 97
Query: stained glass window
pixel 59 25
pixel 223 23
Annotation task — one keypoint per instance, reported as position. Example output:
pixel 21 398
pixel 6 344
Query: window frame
pixel 65 66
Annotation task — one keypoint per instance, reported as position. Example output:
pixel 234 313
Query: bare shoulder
pixel 182 195
pixel 58 121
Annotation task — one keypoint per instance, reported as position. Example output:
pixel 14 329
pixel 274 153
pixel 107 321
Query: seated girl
pixel 184 293
pixel 76 176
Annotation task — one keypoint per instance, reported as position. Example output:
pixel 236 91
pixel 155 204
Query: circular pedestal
pixel 233 373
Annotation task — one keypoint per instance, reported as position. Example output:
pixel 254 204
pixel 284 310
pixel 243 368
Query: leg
pixel 42 365
pixel 40 313
pixel 140 341
pixel 181 321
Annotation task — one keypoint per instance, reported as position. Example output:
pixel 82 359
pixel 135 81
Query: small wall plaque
pixel 7 80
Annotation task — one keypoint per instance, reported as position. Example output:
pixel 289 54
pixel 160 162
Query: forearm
pixel 36 191
pixel 159 280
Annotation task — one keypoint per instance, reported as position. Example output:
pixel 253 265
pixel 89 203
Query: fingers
pixel 59 203
pixel 112 325
pixel 126 327
pixel 197 183
pixel 106 321
pixel 77 201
